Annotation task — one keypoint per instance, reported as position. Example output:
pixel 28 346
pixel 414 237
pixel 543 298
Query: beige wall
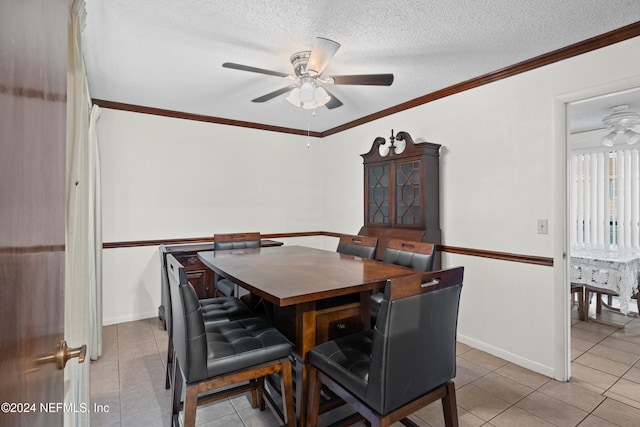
pixel 502 168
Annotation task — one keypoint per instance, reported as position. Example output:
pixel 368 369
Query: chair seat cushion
pixel 346 360
pixel 226 287
pixel 223 309
pixel 243 343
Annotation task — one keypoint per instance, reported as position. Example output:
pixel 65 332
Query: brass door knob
pixel 65 353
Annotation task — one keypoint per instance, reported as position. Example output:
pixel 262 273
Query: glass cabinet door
pixel 408 193
pixel 378 194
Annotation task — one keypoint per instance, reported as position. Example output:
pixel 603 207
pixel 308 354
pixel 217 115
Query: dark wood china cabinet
pixel 401 190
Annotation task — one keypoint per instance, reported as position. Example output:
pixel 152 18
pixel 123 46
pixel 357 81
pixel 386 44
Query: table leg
pixel 365 310
pixel 301 392
pixel 585 304
pixel 581 307
pixel 305 341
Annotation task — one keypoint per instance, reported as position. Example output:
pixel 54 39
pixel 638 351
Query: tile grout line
pixel 615 382
pixel 511 405
pixel 538 389
pixel 151 327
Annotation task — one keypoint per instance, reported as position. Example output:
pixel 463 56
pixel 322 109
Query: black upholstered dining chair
pixel 214 310
pixel 232 241
pixel 403 364
pixel 362 246
pixel 416 255
pixel 225 359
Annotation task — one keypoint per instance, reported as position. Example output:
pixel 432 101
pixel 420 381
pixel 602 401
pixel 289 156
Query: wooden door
pixel 33 73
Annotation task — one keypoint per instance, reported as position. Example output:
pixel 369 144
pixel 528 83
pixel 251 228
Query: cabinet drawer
pixel 341 327
pixel 200 277
pixel 337 322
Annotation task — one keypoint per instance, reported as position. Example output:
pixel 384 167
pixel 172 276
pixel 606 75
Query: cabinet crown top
pixel 398 146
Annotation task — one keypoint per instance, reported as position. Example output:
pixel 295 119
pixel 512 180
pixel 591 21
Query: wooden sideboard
pixel 199 275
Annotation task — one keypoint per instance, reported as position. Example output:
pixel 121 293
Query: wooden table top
pixel 290 275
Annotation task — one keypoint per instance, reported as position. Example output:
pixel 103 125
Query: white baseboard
pixel 129 318
pixel 513 358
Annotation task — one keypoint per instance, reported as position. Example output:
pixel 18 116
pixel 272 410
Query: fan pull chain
pixel 309 127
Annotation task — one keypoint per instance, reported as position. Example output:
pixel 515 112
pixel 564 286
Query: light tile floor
pixel 604 390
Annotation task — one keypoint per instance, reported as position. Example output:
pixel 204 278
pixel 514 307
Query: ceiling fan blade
pixel 254 69
pixel 273 94
pixel 321 53
pixel 333 102
pixel 364 79
pixel 590 134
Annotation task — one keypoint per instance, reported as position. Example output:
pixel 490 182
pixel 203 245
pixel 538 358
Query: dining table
pixel 611 271
pixel 299 277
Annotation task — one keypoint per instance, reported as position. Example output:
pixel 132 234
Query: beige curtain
pixel 95 238
pixel 83 261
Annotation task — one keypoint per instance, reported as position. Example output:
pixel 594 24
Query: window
pixel 605 198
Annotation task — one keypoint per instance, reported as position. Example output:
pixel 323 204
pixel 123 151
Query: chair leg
pixel 598 303
pixel 449 406
pixel 586 305
pixel 177 394
pixel 313 402
pixel 259 396
pixel 190 405
pixel 581 313
pixel 167 383
pixel 286 385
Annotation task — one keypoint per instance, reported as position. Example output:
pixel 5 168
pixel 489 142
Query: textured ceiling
pixel 168 54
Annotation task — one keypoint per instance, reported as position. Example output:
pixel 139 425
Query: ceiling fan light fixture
pixel 307 92
pixel 294 97
pixel 321 96
pixel 609 139
pixel 308 95
pixel 621 118
pixel 308 66
pixel 631 136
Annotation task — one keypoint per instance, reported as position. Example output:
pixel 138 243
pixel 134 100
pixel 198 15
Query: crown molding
pixel 597 42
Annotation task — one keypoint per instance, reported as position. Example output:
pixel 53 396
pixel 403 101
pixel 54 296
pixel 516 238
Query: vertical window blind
pixel 605 198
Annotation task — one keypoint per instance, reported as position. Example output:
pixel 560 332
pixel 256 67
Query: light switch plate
pixel 543 226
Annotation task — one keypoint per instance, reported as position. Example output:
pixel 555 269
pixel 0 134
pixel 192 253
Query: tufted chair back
pixel 414 340
pixel 236 241
pixel 361 246
pixel 228 242
pixel 189 336
pixel 416 255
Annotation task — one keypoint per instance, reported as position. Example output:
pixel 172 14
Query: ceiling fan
pixel 308 89
pixel 619 121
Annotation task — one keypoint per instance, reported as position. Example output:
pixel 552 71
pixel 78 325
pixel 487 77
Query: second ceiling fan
pixel 308 88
